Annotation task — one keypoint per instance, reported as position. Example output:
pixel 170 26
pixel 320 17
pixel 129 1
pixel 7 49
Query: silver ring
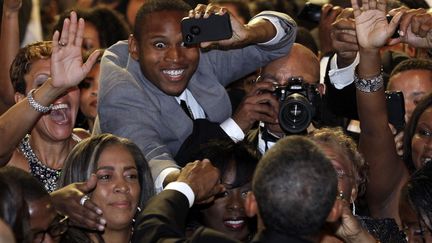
pixel 62 44
pixel 84 199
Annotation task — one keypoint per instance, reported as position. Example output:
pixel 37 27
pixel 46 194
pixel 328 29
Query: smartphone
pixel 310 12
pixel 396 109
pixel 396 33
pixel 215 27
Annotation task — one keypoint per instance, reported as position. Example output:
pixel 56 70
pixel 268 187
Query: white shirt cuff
pixel 183 188
pixel 280 32
pixel 161 178
pixel 340 78
pixel 233 130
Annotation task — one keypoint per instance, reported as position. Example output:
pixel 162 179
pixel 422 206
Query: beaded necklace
pixel 44 174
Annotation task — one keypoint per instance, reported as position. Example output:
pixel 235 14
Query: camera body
pixel 396 109
pixel 310 12
pixel 299 104
pixel 215 27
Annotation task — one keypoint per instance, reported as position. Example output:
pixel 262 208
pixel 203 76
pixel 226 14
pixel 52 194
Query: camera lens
pixel 189 38
pixel 295 113
pixel 195 30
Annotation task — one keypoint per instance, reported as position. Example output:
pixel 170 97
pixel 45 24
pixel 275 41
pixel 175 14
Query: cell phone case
pixel 215 27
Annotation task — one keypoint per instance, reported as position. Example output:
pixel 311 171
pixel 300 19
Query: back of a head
pixel 295 186
pixel 153 6
pixel 18 189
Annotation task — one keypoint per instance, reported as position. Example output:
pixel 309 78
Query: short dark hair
pixel 295 186
pixel 412 64
pixel 221 152
pixel 152 6
pixel 418 192
pixel 410 131
pixel 23 61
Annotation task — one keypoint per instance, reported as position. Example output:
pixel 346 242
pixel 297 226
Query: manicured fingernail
pixel 102 221
pixel 401 33
pixel 101 227
pixel 98 211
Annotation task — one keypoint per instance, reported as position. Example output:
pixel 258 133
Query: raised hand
pixel 328 16
pixel 344 37
pixel 239 31
pixel 415 27
pixel 372 28
pixel 67 68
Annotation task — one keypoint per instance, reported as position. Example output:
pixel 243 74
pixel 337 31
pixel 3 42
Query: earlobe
pixel 18 97
pixel 133 47
pixel 251 206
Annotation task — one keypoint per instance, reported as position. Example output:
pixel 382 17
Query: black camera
pixel 299 104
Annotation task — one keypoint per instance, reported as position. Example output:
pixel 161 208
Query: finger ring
pixel 84 199
pixel 62 44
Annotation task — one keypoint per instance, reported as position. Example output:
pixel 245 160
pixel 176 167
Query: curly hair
pixel 23 60
pixel 336 138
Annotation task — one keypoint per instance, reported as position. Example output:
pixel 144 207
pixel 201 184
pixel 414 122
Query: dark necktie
pixel 186 109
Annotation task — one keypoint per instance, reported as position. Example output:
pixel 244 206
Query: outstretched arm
pixel 9 45
pixel 67 70
pixel 387 170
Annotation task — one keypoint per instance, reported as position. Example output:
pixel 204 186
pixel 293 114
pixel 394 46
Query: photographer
pixel 300 64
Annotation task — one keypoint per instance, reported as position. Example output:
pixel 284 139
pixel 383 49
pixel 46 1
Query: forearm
pixel 9 44
pixel 260 31
pixel 12 131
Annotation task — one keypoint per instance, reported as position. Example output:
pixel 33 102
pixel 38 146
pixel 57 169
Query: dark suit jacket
pixel 163 220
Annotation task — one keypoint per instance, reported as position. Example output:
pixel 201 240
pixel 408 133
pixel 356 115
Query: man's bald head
pixel 300 62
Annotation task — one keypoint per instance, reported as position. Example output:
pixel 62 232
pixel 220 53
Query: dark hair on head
pixel 418 191
pixel 410 131
pixel 82 162
pixel 412 64
pixel 110 25
pixel 225 153
pixel 335 138
pixel 23 61
pixel 295 186
pixel 241 6
pixel 18 188
pixel 152 6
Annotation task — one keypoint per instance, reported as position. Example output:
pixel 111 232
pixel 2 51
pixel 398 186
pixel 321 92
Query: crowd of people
pixel 297 128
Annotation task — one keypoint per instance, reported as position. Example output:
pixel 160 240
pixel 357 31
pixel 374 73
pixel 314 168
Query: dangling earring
pixel 353 208
pixel 137 212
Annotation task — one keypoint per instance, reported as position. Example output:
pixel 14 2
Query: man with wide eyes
pixel 157 92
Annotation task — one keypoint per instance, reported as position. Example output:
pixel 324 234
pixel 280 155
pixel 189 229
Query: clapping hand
pixel 67 68
pixel 372 28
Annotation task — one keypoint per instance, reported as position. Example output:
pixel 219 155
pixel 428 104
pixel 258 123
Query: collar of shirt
pixel 195 107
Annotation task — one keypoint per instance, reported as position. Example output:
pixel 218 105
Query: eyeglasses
pixel 58 227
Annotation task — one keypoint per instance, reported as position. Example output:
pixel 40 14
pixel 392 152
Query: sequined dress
pixel 44 174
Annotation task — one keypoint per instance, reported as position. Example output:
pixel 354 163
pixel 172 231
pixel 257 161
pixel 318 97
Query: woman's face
pixel 89 92
pixel 227 213
pixel 60 121
pixel 91 40
pixel 344 170
pixel 415 229
pixel 421 141
pixel 118 189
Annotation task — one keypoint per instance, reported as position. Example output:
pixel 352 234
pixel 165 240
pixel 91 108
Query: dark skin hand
pixel 258 105
pixel 344 39
pixel 67 201
pixel 328 16
pixel 203 178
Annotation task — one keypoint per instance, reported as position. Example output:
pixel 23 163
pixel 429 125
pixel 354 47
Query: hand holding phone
pixel 215 27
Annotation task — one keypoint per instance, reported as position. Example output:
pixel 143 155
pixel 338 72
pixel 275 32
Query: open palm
pixel 372 28
pixel 67 68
